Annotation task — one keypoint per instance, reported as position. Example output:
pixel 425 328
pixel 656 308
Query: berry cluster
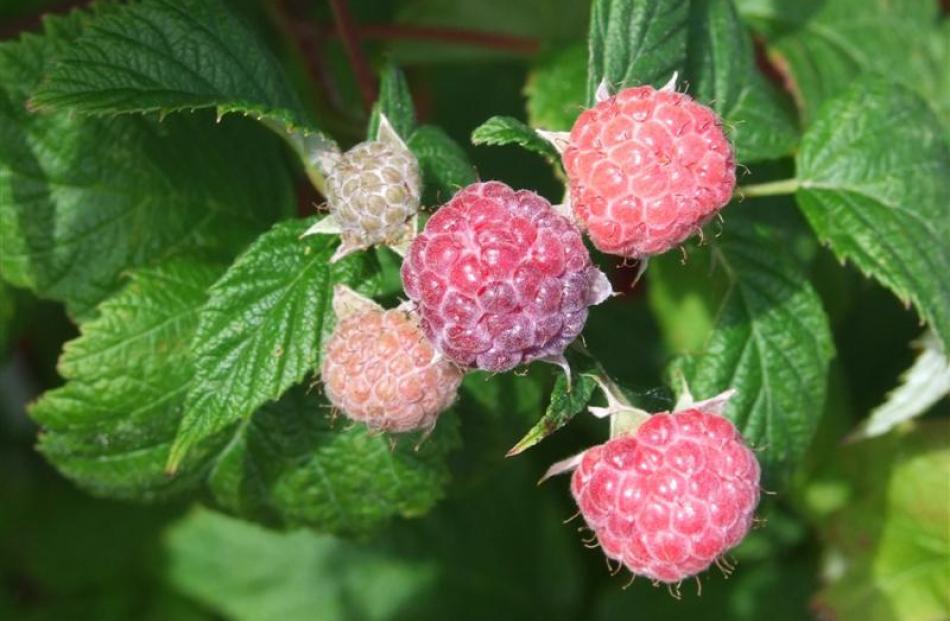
pixel 499 278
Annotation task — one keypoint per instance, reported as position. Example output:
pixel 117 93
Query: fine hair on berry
pixel 379 369
pixel 669 499
pixel 647 168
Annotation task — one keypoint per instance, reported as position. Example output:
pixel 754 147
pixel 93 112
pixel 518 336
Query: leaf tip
pixel 175 456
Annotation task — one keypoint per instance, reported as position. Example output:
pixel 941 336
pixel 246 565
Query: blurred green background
pixel 859 533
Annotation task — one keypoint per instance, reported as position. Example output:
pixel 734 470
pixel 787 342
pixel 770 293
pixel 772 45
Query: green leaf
pixel 636 42
pixel 502 130
pixel 887 545
pixel 109 428
pixel 445 166
pixel 411 570
pixel 290 465
pixel 7 311
pixel 721 72
pixel 164 56
pixel 564 405
pixel 769 339
pixel 557 87
pixel 100 564
pixel 173 55
pixel 921 386
pixel 823 46
pixel 74 215
pixel 395 101
pixel 872 170
pixel 262 328
pixel 250 574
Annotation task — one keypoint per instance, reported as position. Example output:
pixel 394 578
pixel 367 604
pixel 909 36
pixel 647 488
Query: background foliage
pixel 163 321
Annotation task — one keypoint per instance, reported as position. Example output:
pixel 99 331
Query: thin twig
pixel 409 32
pixel 346 28
pixel 476 38
pixel 31 21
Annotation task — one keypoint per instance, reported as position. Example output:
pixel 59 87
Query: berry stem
pixel 624 416
pixel 771 188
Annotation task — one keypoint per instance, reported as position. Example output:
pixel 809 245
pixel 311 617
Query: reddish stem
pixel 510 43
pixel 32 21
pixel 346 28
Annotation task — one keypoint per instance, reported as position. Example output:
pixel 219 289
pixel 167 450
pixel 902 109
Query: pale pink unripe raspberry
pixel 500 279
pixel 373 192
pixel 668 500
pixel 647 168
pixel 379 369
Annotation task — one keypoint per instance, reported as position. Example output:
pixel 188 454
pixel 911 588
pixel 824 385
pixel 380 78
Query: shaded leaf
pixel 395 101
pixel 557 88
pixel 253 574
pixel 290 465
pixel 721 72
pixel 502 130
pixel 73 214
pixel 445 166
pixel 769 337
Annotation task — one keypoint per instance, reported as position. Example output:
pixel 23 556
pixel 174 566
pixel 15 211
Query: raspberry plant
pixel 281 317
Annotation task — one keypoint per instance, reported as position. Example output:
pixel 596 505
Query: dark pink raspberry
pixel 647 168
pixel 500 279
pixel 671 498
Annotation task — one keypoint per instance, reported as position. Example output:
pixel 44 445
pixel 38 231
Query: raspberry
pixel 500 279
pixel 373 193
pixel 672 497
pixel 647 168
pixel 380 370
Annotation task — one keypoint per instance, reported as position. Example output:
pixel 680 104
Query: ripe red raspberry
pixel 669 499
pixel 380 370
pixel 500 279
pixel 647 168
